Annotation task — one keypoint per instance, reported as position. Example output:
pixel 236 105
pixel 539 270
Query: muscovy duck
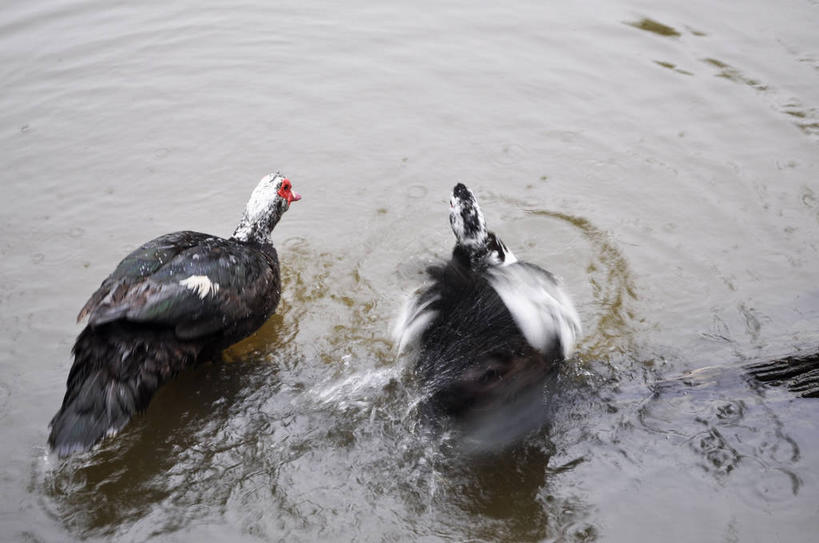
pixel 176 300
pixel 489 328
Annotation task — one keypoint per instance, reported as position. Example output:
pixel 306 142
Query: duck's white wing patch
pixel 413 321
pixel 504 257
pixel 201 285
pixel 509 257
pixel 541 309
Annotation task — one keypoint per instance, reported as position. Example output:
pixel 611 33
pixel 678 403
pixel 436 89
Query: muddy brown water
pixel 660 156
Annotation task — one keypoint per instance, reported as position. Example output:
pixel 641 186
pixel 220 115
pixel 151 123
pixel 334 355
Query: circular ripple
pixel 777 485
pixel 730 413
pixel 417 191
pixel 294 241
pixel 504 154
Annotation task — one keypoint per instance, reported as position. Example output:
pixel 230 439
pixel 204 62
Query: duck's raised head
pixel 466 219
pixel 268 202
pixel 475 243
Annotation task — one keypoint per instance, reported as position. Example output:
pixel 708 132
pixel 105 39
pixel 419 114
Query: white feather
pixel 414 319
pixel 201 285
pixel 494 258
pixel 538 305
pixel 510 257
pixel 474 240
pixel 260 205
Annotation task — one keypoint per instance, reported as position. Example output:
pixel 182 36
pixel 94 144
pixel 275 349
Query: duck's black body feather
pixel 200 284
pixel 117 368
pixel 487 329
pixel 472 343
pixel 176 300
pixel 470 319
pixel 149 320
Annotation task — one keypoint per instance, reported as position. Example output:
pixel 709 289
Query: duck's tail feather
pixel 117 369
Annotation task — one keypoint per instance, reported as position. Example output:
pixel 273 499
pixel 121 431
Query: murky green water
pixel 662 159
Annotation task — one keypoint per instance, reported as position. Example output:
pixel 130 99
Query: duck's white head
pixel 482 247
pixel 268 202
pixel 466 219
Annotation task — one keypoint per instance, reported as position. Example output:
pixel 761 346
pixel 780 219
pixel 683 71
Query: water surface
pixel 662 159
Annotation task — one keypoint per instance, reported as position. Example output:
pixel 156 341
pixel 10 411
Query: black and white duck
pixel 488 328
pixel 176 300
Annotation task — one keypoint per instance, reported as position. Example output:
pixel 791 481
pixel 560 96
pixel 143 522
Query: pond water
pixel 661 157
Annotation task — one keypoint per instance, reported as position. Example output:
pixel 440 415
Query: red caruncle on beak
pixel 286 192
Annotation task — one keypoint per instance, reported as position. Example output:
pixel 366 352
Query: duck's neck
pixel 471 256
pixel 258 231
pixel 479 256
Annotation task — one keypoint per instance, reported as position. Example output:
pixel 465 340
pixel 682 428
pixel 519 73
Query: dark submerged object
pixel 799 373
pixel 489 329
pixel 176 300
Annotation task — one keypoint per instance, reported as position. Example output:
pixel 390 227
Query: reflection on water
pixel 503 490
pixel 804 117
pixel 672 66
pixel 726 434
pixel 650 25
pixel 161 460
pixel 613 291
pixel 732 74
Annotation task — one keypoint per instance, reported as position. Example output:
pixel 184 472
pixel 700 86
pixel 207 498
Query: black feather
pixel 475 353
pixel 473 342
pixel 117 369
pixel 800 373
pixel 145 326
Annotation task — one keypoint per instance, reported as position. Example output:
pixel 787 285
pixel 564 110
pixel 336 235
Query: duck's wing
pixel 415 317
pixel 197 284
pixel 136 267
pixel 543 312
